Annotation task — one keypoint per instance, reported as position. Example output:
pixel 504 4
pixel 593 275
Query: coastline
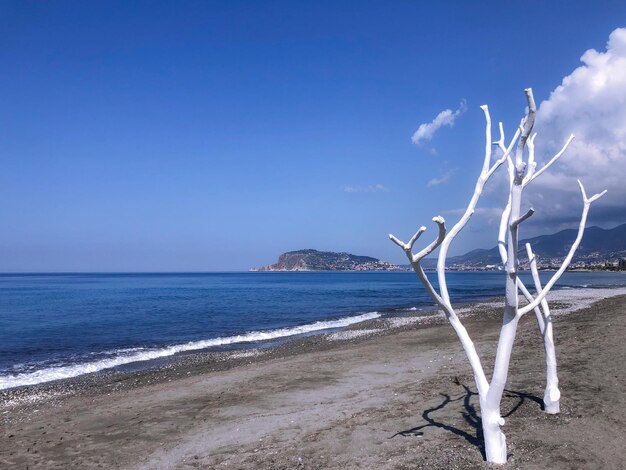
pixel 196 395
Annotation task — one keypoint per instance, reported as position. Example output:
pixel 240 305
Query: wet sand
pixel 379 395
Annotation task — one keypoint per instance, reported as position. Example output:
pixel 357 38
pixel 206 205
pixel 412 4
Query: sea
pixel 55 326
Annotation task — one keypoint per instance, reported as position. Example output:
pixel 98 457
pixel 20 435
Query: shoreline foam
pixel 75 370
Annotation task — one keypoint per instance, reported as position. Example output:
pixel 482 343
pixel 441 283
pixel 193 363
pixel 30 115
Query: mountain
pixel 313 260
pixel 597 245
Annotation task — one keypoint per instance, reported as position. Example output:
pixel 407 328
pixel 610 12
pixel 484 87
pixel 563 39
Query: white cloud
pixel 426 131
pixel 365 189
pixel 590 103
pixel 440 179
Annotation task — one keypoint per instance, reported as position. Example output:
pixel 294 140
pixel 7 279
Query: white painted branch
pixel 504 156
pixel 400 243
pixel 540 321
pixel 415 262
pixel 488 144
pixel 593 198
pixel 506 213
pixel 527 125
pixel 417 267
pixel 552 393
pixel 414 238
pixel 568 259
pixel 506 151
pixel 408 246
pixel 501 242
pixel 510 168
pixel 500 141
pixel 440 221
pixel 468 346
pixel 531 176
pixel 545 310
pixel 466 342
pixel 480 183
pixel 532 164
pixel 518 221
pixel 470 351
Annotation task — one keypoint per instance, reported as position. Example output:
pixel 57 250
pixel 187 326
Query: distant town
pixel 550 264
pixel 313 260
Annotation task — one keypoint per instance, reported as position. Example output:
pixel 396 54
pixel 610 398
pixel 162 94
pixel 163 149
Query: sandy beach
pixel 387 393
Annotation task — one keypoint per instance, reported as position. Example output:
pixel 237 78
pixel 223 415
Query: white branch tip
pixel 396 241
pixel 598 196
pixel 593 198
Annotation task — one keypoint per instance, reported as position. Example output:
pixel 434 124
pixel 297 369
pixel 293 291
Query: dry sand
pixel 379 399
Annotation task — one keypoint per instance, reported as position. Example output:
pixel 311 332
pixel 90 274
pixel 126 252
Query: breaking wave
pixel 129 355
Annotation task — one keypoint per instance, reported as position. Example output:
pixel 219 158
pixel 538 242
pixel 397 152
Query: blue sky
pixel 200 136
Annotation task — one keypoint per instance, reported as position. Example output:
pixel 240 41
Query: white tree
pixel 521 173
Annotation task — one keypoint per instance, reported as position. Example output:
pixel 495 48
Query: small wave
pixel 64 372
pixel 116 351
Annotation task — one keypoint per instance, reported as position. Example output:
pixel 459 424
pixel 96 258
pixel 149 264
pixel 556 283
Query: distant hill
pixel 598 244
pixel 313 260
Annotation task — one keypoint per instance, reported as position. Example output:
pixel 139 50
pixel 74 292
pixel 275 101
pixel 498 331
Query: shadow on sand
pixel 470 415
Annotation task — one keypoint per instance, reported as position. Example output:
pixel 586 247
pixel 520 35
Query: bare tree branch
pixel 504 156
pixel 532 164
pixel 531 176
pixel 440 221
pixel 528 213
pixel 414 238
pixel 408 246
pixel 545 310
pixel 504 218
pixel 530 298
pixel 400 243
pixel 488 144
pixel 480 183
pixel 581 229
pixel 500 141
pixel 552 393
pixel 527 124
pixel 479 375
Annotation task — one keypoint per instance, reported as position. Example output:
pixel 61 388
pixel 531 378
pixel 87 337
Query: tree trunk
pixel 495 440
pixel 552 394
